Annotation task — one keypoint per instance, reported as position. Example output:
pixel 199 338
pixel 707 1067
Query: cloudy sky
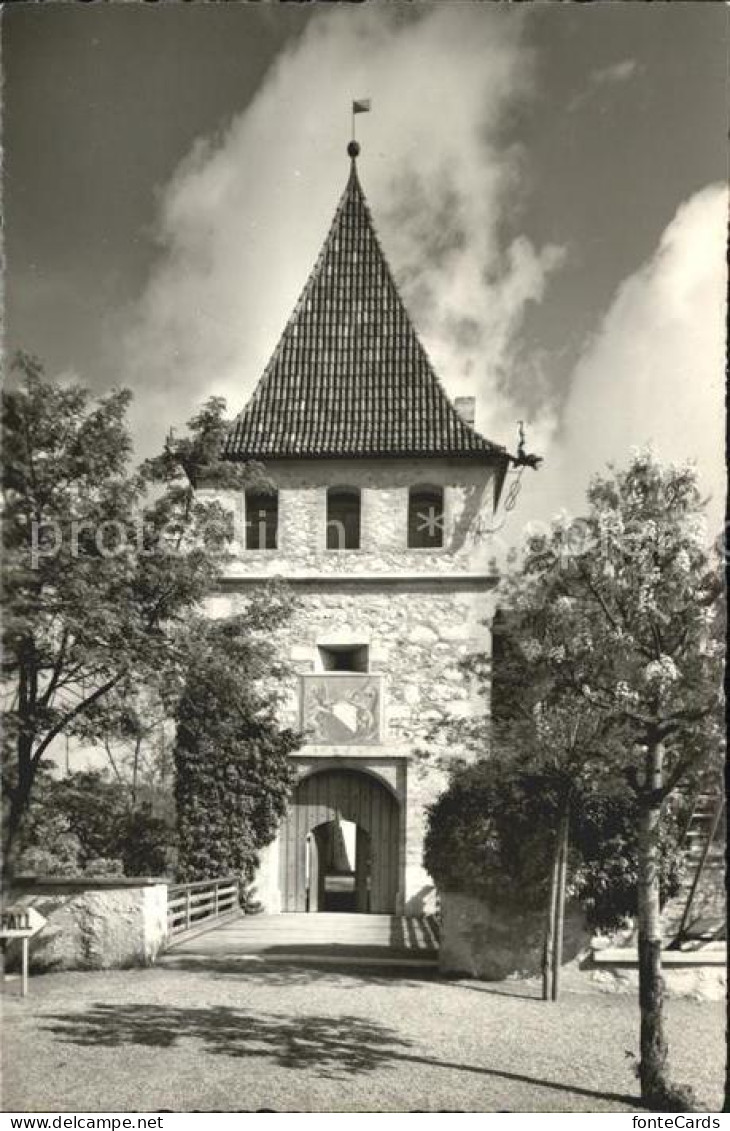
pixel 548 182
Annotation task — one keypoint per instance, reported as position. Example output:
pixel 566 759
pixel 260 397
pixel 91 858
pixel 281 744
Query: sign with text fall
pixel 20 922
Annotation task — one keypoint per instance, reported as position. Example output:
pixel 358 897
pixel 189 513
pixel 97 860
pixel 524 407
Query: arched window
pixel 425 517
pixel 262 519
pixel 343 518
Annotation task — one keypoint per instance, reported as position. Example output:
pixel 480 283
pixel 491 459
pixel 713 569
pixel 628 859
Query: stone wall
pixel 419 612
pixel 92 924
pixel 498 941
pixel 469 488
pixel 418 633
pixel 700 975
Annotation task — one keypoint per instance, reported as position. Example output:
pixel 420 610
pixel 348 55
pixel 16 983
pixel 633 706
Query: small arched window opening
pixel 262 519
pixel 343 518
pixel 425 518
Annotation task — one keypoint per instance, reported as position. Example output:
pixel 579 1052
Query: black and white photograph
pixel 364 551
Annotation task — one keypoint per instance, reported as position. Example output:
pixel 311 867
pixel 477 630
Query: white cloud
pixel 614 73
pixel 653 373
pixel 244 217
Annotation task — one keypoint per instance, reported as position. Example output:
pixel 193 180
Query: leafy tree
pixel 546 746
pixel 234 773
pixel 137 740
pixel 626 605
pixel 47 845
pixel 85 823
pixel 607 689
pixel 542 728
pixel 105 567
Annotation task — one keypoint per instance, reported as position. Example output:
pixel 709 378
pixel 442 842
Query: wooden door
pixel 363 867
pixel 356 797
pixel 312 878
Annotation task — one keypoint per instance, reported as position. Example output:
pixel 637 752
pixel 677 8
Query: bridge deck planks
pixel 326 935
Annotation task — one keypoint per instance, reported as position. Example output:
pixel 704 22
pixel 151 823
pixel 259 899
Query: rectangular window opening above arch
pixel 344 657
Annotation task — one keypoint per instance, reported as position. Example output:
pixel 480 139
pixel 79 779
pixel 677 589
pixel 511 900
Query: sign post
pixel 21 923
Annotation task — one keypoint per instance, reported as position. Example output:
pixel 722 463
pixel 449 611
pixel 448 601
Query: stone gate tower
pixel 384 496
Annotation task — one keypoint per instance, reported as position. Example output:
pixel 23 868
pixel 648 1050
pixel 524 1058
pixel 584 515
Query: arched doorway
pixel 339 845
pixel 338 870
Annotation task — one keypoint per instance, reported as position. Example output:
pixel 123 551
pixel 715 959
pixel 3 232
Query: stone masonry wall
pixel 498 941
pixel 468 503
pixel 420 612
pixel 418 634
pixel 92 925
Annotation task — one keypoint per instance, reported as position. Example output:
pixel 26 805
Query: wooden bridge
pixel 206 926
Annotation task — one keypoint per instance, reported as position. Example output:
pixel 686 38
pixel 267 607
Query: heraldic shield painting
pixel 340 709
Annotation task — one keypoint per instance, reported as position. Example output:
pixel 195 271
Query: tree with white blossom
pixel 622 612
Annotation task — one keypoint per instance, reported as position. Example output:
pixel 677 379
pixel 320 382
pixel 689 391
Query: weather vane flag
pixel 359 106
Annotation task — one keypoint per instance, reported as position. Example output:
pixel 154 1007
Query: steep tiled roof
pixel 349 376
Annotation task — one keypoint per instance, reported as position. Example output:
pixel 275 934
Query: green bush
pixel 482 837
pixel 84 824
pixel 492 833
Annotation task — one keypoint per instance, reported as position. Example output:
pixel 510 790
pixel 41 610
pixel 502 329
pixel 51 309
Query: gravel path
pixel 295 1039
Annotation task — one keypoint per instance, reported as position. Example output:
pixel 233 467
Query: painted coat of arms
pixel 341 709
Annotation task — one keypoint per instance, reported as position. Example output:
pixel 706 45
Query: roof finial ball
pixel 353 149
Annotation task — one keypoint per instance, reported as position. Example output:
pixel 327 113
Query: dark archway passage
pixel 309 831
pixel 338 867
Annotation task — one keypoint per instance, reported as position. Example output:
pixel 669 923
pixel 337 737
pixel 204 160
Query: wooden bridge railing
pixel 200 905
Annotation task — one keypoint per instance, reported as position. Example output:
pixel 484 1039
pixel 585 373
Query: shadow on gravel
pixel 294 973
pixel 303 973
pixel 526 993
pixel 333 1047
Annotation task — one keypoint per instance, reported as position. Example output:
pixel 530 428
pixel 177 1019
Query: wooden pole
pixel 24 968
pixel 560 901
pixel 549 949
